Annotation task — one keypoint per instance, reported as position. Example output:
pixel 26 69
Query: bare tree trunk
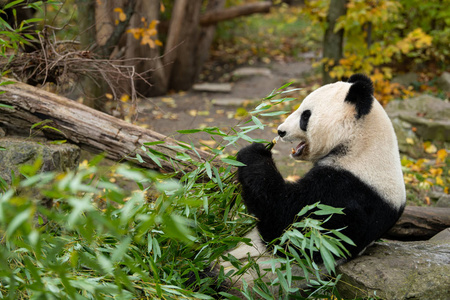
pixel 90 129
pixel 333 41
pixel 185 64
pixel 218 14
pixel 90 87
pixel 109 44
pixel 206 36
pixel 153 79
pixel 173 38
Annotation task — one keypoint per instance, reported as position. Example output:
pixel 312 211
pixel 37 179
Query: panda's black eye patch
pixel 304 119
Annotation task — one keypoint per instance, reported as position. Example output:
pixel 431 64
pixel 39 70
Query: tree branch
pixel 213 17
pixel 92 130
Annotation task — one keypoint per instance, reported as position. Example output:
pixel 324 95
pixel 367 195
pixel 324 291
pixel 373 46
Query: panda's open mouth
pixel 298 151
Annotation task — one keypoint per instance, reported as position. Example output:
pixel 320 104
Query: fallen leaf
pixel 429 148
pixel 210 143
pixel 203 113
pixel 410 141
pixel 292 178
pixel 124 98
pixel 441 156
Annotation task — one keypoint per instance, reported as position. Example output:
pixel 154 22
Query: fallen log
pixel 92 130
pixel 216 16
pixel 420 223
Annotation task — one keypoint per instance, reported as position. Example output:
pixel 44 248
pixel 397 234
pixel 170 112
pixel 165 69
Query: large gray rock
pixel 406 79
pixel 249 71
pixel 212 87
pixel 443 201
pixel 443 82
pixel 429 115
pixel 19 151
pixel 400 270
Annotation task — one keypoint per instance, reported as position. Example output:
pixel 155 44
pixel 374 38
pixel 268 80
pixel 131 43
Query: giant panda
pixel 343 130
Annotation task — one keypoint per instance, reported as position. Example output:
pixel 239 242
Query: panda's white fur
pixel 351 141
pixel 373 151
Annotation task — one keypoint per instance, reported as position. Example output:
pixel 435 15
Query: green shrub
pixel 100 240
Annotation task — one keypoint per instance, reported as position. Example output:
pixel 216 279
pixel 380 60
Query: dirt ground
pixel 195 109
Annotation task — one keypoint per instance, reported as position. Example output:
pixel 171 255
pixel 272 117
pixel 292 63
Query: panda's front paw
pixel 253 153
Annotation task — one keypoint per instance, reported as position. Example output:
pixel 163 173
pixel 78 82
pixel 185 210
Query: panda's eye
pixel 304 119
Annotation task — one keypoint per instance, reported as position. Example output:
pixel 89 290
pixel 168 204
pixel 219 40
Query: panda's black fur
pixel 276 202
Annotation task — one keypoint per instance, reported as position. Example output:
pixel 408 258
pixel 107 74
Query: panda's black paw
pixel 255 152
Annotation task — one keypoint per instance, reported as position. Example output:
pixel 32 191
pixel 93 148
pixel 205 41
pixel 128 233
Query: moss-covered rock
pixel 15 152
pixel 399 270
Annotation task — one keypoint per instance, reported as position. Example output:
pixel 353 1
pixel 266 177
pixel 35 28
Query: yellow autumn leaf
pixel 203 113
pixel 124 98
pixel 293 178
pixel 122 15
pixel 430 149
pixel 168 100
pixel 109 96
pixel 410 141
pixel 60 176
pixel 441 156
pixel 439 180
pixel 137 32
pixel 162 8
pixel 146 40
pixel 210 143
pixel 153 24
pixel 150 32
pixel 436 171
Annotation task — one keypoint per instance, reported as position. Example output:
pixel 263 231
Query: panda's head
pixel 328 119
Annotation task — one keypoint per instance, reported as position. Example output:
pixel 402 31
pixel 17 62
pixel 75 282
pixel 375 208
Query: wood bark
pixel 106 49
pixel 90 87
pixel 206 36
pixel 173 39
pixel 90 129
pixel 152 79
pixel 333 42
pixel 420 223
pixel 215 16
pixel 185 63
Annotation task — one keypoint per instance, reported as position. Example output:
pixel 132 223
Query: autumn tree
pixel 130 30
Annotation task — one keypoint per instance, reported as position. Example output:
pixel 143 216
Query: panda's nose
pixel 281 133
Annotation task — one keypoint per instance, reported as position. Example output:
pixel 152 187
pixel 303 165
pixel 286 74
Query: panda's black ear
pixel 360 94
